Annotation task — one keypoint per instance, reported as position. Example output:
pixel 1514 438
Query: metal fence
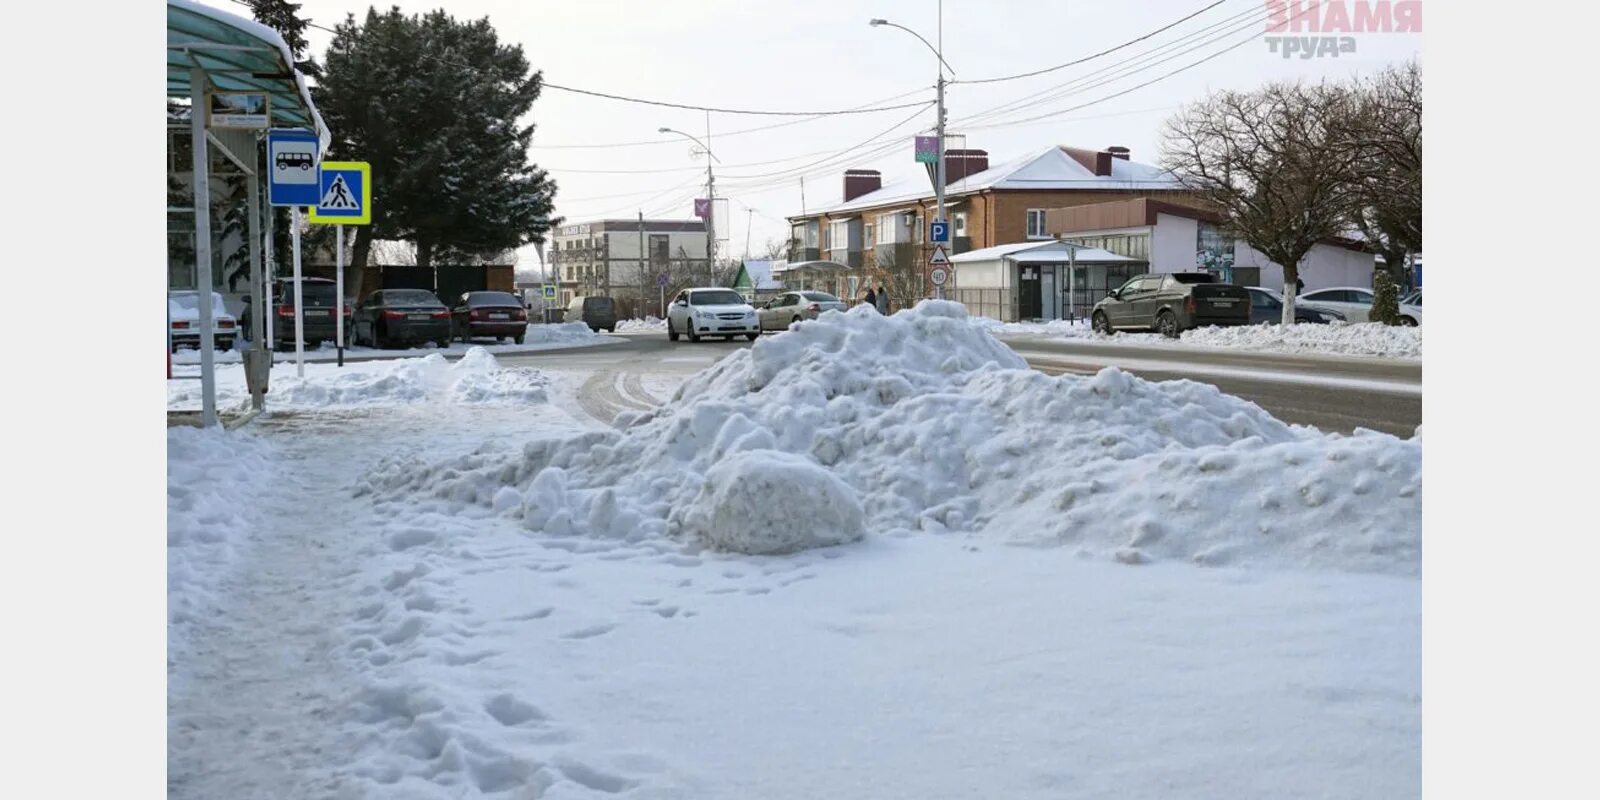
pixel 1000 304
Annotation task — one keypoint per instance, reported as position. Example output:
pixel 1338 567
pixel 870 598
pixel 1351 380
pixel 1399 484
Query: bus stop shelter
pixel 212 52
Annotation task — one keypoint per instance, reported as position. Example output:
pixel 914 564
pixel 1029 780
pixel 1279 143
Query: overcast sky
pixel 802 55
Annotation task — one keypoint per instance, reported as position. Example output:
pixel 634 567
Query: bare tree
pixel 1273 161
pixel 775 249
pixel 1385 131
pixel 902 277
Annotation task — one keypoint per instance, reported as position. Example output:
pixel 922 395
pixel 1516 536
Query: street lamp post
pixel 711 203
pixel 938 172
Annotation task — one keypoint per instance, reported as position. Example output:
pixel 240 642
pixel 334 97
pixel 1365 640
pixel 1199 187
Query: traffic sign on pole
pixel 938 232
pixel 292 156
pixel 661 279
pixel 938 259
pixel 549 291
pixel 938 276
pixel 344 194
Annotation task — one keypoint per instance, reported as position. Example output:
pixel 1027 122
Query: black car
pixel 391 317
pixel 492 315
pixel 320 302
pixel 1266 308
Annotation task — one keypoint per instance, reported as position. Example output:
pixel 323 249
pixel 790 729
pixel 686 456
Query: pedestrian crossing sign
pixel 345 189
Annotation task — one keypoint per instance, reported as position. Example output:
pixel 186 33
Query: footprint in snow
pixel 589 632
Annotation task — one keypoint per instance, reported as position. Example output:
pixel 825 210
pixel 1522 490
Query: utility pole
pixel 711 197
pixel 748 212
pixel 939 173
pixel 644 260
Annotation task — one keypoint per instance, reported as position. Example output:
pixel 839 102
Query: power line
pixel 1128 43
pixel 744 111
pixel 880 135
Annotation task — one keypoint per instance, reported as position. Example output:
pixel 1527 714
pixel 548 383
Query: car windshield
pixel 821 297
pixel 1192 277
pixel 410 297
pixel 492 299
pixel 723 297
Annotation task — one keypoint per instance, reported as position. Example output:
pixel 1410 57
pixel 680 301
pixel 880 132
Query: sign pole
pixel 338 293
pixel 202 243
pixel 299 297
pixel 269 276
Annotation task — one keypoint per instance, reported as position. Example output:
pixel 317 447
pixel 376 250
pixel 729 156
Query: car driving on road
pixel 788 308
pixel 711 312
pixel 597 311
pixel 402 316
pixel 493 315
pixel 183 321
pixel 1171 303
pixel 1266 308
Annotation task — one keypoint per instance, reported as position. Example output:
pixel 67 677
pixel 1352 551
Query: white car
pixel 1356 304
pixel 711 312
pixel 183 321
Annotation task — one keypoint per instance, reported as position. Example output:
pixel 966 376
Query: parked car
pixel 598 312
pixel 1266 308
pixel 711 312
pixel 183 321
pixel 788 308
pixel 494 315
pixel 1172 303
pixel 1355 303
pixel 401 316
pixel 1411 306
pixel 319 299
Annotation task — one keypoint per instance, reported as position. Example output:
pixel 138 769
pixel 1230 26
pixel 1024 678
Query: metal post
pixel 711 211
pixel 938 188
pixel 338 291
pixel 202 243
pixel 644 261
pixel 299 297
pixel 253 187
pixel 266 306
pixel 1072 277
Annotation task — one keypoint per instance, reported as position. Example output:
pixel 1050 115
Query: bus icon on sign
pixel 289 160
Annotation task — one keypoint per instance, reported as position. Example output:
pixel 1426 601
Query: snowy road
pixel 1330 392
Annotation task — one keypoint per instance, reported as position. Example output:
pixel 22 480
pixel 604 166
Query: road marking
pixel 687 360
pixel 1136 365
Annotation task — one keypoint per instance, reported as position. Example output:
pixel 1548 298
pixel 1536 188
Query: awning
pixel 238 55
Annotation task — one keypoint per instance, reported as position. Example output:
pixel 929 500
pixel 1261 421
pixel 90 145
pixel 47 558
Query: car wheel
pixel 1408 322
pixel 752 336
pixel 519 338
pixel 443 343
pixel 379 339
pixel 672 333
pixel 1100 323
pixel 1167 324
pixel 793 321
pixel 225 345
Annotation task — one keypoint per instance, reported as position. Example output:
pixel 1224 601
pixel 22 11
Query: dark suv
pixel 1171 304
pixel 321 304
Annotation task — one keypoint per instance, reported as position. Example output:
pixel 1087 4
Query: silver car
pixel 788 308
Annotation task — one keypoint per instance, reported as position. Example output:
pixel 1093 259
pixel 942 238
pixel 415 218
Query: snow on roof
pixel 1041 253
pixel 255 29
pixel 760 273
pixel 1050 168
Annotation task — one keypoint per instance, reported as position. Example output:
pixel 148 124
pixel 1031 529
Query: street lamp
pixel 938 173
pixel 711 215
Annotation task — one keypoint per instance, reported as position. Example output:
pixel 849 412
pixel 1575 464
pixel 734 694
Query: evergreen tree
pixel 433 104
pixel 284 17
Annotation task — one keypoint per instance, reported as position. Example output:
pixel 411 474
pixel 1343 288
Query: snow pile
pixel 475 378
pixel 1077 329
pixel 560 332
pixel 934 425
pixel 1342 338
pixel 646 324
pixel 214 478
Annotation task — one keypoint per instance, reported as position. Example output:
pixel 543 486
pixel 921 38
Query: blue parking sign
pixel 939 232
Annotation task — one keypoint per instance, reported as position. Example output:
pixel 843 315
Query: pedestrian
pixel 883 300
pixel 871 299
pixel 1299 286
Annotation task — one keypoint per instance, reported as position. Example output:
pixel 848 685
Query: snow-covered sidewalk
pixel 872 556
pixel 1337 338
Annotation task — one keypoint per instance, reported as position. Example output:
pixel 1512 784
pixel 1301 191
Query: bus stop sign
pixel 292 168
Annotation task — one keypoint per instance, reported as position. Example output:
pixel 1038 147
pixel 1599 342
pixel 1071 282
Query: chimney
pixel 858 182
pixel 1118 151
pixel 1097 162
pixel 959 164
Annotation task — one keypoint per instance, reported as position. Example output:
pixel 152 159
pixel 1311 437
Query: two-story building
pixel 625 259
pixel 878 232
